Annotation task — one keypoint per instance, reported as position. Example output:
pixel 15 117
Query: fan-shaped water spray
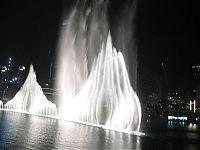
pixel 105 96
pixel 30 98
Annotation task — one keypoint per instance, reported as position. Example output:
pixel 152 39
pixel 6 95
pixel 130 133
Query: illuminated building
pixel 193 106
pixel 194 92
pixel 21 75
pixel 175 98
pixel 176 101
pixel 6 72
pixel 4 75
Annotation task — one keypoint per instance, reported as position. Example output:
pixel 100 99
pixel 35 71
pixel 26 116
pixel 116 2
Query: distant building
pixel 194 92
pixel 195 76
pixel 175 98
pixel 196 71
pixel 21 75
pixel 4 75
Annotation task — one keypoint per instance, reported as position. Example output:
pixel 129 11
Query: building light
pixel 194 105
pixel 4 69
pixel 182 118
pixel 22 68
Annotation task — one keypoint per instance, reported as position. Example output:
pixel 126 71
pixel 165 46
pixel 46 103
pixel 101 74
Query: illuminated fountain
pixel 92 75
pixel 1 104
pixel 30 98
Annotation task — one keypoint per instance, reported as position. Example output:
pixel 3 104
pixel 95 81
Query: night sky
pixel 166 31
pixel 29 32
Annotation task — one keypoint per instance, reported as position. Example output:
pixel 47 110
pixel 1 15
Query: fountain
pixel 92 75
pixel 30 98
pixel 1 104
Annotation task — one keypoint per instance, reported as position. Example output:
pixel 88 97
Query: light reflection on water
pixel 180 124
pixel 22 131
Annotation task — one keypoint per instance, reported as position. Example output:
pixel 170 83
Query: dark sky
pixel 28 31
pixel 166 31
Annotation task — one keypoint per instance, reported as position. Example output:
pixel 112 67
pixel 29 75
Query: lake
pixel 23 131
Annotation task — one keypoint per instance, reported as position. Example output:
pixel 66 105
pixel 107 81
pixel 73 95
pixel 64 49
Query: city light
pixel 13 80
pixel 22 68
pixel 4 69
pixel 192 126
pixel 182 118
pixel 194 105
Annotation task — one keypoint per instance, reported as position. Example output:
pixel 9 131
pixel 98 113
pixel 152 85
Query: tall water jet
pixel 31 99
pixel 80 41
pixel 99 93
pixel 1 104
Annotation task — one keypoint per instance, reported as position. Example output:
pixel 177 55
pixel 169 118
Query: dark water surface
pixel 22 131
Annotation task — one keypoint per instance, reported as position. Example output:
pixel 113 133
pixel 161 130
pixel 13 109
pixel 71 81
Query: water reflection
pixel 179 124
pixel 86 137
pixel 41 132
pixel 5 130
pixel 22 131
pixel 26 131
pixel 193 126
